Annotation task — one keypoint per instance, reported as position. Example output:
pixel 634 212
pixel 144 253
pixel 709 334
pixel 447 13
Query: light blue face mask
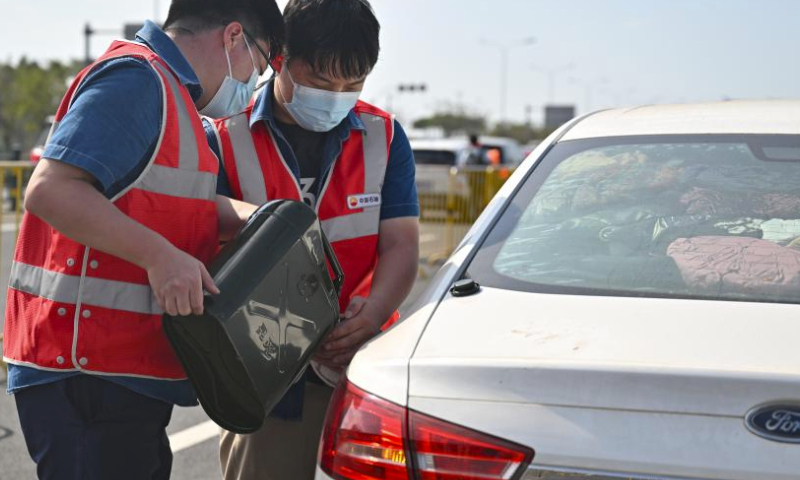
pixel 319 110
pixel 233 95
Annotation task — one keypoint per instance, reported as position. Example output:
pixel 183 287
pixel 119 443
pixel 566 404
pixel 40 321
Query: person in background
pixel 121 216
pixel 473 154
pixel 494 157
pixel 308 137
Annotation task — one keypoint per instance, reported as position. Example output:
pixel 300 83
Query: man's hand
pixel 362 321
pixel 398 253
pixel 177 280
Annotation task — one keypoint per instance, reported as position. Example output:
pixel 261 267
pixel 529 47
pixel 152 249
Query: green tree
pixel 453 122
pixel 521 132
pixel 28 94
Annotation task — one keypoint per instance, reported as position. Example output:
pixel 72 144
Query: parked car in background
pixel 38 148
pixel 626 307
pixel 454 151
pixel 464 193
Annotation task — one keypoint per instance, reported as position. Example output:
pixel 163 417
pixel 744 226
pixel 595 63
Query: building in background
pixel 557 115
pixel 130 29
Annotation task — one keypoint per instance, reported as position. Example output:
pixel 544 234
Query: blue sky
pixel 615 51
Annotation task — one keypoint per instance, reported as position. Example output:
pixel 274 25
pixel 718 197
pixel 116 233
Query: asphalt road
pixel 192 436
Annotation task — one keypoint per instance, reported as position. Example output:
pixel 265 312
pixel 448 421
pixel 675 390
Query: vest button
pixel 61 312
pixel 60 360
pixel 83 361
pixel 87 313
pixel 94 264
pixel 70 262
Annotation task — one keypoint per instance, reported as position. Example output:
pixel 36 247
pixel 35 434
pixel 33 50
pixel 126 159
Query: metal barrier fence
pixel 451 199
pixel 14 176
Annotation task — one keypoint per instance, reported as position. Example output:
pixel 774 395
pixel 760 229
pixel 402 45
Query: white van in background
pixel 454 151
pixel 441 190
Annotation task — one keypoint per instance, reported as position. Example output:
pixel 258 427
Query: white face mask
pixel 319 110
pixel 233 95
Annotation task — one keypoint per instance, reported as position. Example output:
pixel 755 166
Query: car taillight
pixel 443 451
pixel 368 438
pixel 363 437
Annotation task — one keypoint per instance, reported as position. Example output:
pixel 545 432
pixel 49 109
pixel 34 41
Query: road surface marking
pixel 193 436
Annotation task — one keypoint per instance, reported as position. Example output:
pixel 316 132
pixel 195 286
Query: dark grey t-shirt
pixel 308 148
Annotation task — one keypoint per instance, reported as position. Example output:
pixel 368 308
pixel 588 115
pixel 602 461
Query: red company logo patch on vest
pixel 354 202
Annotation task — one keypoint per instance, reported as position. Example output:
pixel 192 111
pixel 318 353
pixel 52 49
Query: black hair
pixel 337 37
pixel 260 18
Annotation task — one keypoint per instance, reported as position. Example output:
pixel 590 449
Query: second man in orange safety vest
pixel 308 137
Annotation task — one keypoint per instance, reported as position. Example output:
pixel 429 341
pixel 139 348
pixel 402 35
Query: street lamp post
pixel 552 73
pixel 88 31
pixel 404 88
pixel 589 89
pixel 87 44
pixel 504 51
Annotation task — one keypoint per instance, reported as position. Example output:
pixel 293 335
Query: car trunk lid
pixel 666 355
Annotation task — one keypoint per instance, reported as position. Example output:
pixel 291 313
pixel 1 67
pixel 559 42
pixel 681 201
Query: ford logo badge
pixel 776 422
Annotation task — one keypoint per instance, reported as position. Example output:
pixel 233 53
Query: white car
pixel 454 151
pixel 442 188
pixel 636 316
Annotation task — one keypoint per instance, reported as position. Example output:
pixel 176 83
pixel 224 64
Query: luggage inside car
pixel 736 265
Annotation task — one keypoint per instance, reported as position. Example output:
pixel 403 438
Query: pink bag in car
pixel 736 264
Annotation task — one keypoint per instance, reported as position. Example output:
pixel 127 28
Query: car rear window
pixel 708 217
pixel 435 157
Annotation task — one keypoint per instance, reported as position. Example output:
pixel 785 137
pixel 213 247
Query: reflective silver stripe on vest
pixel 179 183
pixel 376 152
pixel 376 157
pixel 186 181
pixel 251 178
pixel 357 225
pixel 62 288
pixel 189 156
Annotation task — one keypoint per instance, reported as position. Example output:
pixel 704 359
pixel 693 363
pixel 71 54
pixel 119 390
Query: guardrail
pixel 14 176
pixel 451 199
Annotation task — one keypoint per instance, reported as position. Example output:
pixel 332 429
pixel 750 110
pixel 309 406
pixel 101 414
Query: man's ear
pixel 232 34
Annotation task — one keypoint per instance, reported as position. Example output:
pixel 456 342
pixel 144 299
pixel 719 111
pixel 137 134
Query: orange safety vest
pixel 349 203
pixel 72 308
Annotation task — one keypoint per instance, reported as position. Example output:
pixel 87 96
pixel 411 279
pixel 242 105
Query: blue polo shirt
pixel 398 195
pixel 111 131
